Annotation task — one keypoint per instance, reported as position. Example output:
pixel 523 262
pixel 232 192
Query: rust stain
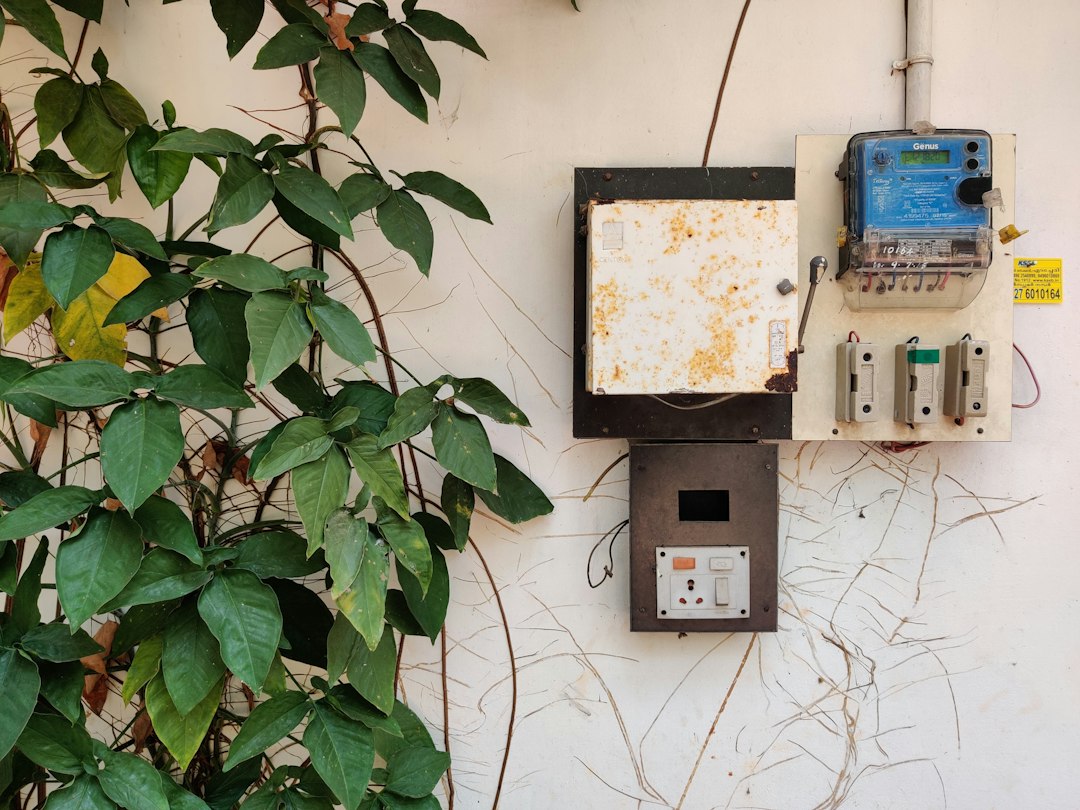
pixel 786 382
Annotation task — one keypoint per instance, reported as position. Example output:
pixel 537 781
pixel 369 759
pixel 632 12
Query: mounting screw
pixel 608 176
pixel 641 610
pixel 754 175
pixel 663 613
pixel 980 430
pixel 743 612
pixel 742 553
pixel 604 430
pixel 768 466
pixel 835 431
pixel 755 430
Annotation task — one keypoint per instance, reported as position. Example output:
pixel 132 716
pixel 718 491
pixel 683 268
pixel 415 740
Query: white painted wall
pixel 927 651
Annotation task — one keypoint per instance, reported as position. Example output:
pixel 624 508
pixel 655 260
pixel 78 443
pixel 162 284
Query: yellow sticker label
pixel 1037 281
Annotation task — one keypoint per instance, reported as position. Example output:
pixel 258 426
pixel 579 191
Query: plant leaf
pixel 266 725
pixel 339 82
pixel 448 191
pixel 42 512
pixel 434 26
pixel 406 226
pixel 21 683
pixel 52 742
pixel 56 104
pixel 61 686
pixel 122 107
pixel 341 643
pixel 429 608
pixel 190 659
pixel 243 191
pixel 88 9
pixel 278 554
pixel 201 387
pixel 151 296
pixel 164 523
pixel 52 170
pixel 409 52
pixel 406 537
pixel 244 616
pixel 413 412
pixel 277 331
pixel 94 566
pixel 367 18
pixel 292 45
pixel 82 793
pixel 131 782
pixel 238 20
pixel 301 389
pixel 381 66
pixel 341 329
pixel 372 673
pixel 518 498
pixel 162 575
pixel 363 600
pixel 458 501
pixel 213 141
pixel 462 447
pixel 144 666
pixel 27 300
pixel 375 404
pixel 415 771
pixel 80 333
pixel 219 331
pixel 304 225
pixel 342 752
pixel 302 440
pixel 182 734
pixel 315 197
pixel 361 192
pixel 20 189
pixel 73 259
pixel 57 643
pixel 39 21
pixel 345 541
pixel 378 469
pixel 94 138
pixel 306 622
pixel 25 613
pixel 319 487
pixel 243 271
pixel 140 447
pixel 159 175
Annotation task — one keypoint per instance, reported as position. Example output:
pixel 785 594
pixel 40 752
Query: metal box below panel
pixel 701 502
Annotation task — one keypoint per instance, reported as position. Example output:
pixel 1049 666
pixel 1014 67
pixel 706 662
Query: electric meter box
pixel 683 297
pixel 917 231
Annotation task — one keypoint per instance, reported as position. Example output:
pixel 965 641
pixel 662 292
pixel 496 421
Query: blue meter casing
pixel 915 217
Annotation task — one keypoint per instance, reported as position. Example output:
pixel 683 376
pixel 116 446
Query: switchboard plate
pixel 701 496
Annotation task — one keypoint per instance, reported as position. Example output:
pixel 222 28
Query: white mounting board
pixel 988 317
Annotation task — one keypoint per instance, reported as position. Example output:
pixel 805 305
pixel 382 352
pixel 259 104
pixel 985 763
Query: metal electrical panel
pixel 684 298
pixel 703 526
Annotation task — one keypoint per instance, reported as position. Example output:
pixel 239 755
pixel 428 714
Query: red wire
pixel 853 334
pixel 1034 379
pixel 899 447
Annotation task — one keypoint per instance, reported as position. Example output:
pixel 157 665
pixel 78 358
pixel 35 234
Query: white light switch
pixel 723 592
pixel 719 590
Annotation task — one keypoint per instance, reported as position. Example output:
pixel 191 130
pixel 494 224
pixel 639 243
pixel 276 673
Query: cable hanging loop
pixel 919 59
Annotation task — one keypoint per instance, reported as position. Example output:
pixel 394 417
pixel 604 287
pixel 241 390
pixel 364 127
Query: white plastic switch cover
pixel 918 383
pixel 683 296
pixel 707 591
pixel 967 369
pixel 857 373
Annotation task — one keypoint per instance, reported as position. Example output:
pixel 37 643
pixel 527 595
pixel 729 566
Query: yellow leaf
pixel 80 335
pixel 124 275
pixel 27 300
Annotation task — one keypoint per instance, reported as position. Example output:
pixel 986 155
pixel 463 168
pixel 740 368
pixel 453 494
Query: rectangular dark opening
pixel 704 505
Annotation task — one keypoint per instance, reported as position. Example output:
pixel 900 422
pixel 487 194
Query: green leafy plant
pixel 204 544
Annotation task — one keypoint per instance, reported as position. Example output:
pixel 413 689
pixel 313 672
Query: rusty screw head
pixel 608 176
pixel 754 175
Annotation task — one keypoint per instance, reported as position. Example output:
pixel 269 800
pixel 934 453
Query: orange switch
pixel 683 563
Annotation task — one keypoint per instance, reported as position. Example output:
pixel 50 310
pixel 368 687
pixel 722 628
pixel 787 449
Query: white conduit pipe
pixel 919 62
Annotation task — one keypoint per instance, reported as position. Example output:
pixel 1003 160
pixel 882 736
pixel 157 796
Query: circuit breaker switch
pixel 918 383
pixel 723 592
pixel 967 365
pixel 857 382
pixel 721 564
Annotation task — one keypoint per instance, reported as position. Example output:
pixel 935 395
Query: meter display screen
pixel 940 157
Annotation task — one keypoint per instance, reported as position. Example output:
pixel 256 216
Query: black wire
pixel 913 339
pixel 609 573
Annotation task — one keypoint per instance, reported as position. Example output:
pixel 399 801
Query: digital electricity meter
pixel 917 231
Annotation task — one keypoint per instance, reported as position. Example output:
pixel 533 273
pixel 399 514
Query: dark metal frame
pixel 745 417
pixel 748 472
